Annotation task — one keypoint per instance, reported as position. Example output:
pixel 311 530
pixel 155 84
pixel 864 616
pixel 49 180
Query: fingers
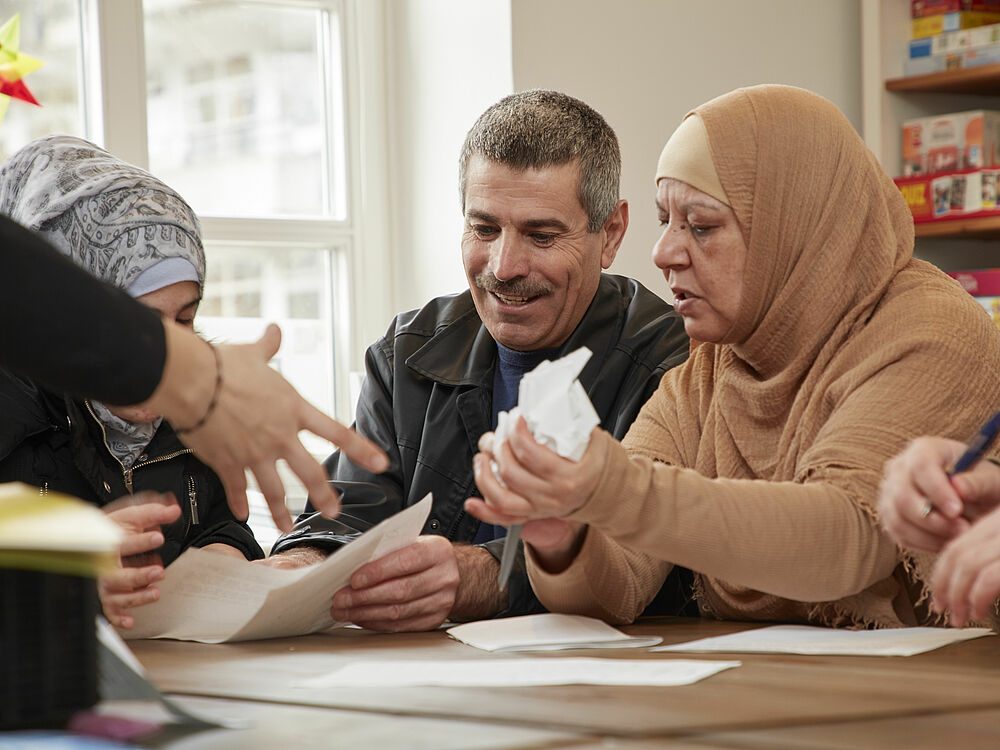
pixel 427 553
pixel 984 591
pixel 478 508
pixel 316 481
pixel 138 543
pixel 274 493
pixel 122 602
pixel 919 506
pixel 420 614
pixel 144 511
pixel 500 501
pixel 141 517
pixel 269 343
pixel 533 457
pixel 979 489
pixel 126 589
pixel 358 448
pixel 126 580
pixel 966 575
pixel 234 483
pixel 486 441
pixel 411 589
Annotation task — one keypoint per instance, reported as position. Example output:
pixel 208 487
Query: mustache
pixel 519 287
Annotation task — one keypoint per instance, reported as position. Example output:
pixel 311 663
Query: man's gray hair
pixel 536 129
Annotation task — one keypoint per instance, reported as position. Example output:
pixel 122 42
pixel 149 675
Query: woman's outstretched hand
pixel 254 422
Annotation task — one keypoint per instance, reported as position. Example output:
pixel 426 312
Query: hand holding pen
pixel 977 448
pixel 933 490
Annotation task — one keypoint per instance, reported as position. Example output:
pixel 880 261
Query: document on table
pixel 808 639
pixel 545 632
pixel 515 672
pixel 213 598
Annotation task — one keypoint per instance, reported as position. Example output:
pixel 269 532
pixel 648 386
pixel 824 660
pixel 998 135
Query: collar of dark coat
pixel 462 352
pixel 25 411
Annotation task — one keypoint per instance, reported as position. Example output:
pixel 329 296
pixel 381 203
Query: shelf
pixel 984 79
pixel 985 227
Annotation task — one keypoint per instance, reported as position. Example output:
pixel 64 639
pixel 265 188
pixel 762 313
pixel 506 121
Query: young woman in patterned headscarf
pixel 126 227
pixel 826 348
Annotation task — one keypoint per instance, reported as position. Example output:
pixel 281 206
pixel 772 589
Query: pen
pixel 509 553
pixel 979 445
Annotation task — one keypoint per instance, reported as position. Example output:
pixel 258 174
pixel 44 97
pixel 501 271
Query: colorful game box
pixel 955 41
pixel 954 60
pixel 923 8
pixel 951 142
pixel 965 194
pixel 943 22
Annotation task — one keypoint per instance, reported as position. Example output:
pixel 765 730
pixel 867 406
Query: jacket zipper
pixel 127 473
pixel 193 500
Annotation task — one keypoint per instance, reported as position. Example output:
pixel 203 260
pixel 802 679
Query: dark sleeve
pixel 366 498
pixel 70 331
pixel 217 524
pixel 232 532
pixel 521 599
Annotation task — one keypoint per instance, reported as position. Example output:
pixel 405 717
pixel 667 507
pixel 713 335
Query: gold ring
pixel 926 510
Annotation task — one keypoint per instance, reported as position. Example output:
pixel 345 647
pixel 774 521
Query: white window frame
pixel 114 96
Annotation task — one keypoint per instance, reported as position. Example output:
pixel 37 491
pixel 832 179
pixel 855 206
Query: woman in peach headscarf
pixel 826 348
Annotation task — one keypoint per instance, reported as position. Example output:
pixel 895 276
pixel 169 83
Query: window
pixel 50 31
pixel 243 108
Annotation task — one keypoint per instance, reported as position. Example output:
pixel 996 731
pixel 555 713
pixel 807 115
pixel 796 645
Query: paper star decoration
pixel 14 65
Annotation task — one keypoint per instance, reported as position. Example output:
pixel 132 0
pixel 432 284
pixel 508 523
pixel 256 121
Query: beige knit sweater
pixel 757 463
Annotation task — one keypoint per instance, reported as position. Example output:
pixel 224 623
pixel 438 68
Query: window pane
pixel 50 31
pixel 237 109
pixel 247 288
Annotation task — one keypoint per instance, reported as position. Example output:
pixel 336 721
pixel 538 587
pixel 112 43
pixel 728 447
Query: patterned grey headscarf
pixel 113 219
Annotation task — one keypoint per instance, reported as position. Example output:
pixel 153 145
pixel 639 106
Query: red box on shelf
pixel 981 282
pixel 964 194
pixel 924 8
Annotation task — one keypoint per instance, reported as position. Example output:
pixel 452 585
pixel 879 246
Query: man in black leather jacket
pixel 539 181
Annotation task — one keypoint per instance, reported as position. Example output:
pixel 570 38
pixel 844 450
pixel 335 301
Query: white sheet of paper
pixel 808 639
pixel 519 672
pixel 545 632
pixel 213 598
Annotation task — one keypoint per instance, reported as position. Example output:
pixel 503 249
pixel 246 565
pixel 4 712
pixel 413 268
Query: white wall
pixel 644 63
pixel 448 61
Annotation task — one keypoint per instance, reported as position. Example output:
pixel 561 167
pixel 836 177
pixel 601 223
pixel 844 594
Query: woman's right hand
pixel 132 584
pixel 255 421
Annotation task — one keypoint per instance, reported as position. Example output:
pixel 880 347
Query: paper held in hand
pixel 559 415
pixel 213 598
pixel 555 406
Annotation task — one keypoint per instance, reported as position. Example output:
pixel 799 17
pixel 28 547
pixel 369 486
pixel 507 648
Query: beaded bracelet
pixel 215 396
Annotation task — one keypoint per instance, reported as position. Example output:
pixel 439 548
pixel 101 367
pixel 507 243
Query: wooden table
pixel 772 701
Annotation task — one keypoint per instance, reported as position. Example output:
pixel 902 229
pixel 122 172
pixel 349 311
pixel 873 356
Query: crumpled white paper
pixel 555 406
